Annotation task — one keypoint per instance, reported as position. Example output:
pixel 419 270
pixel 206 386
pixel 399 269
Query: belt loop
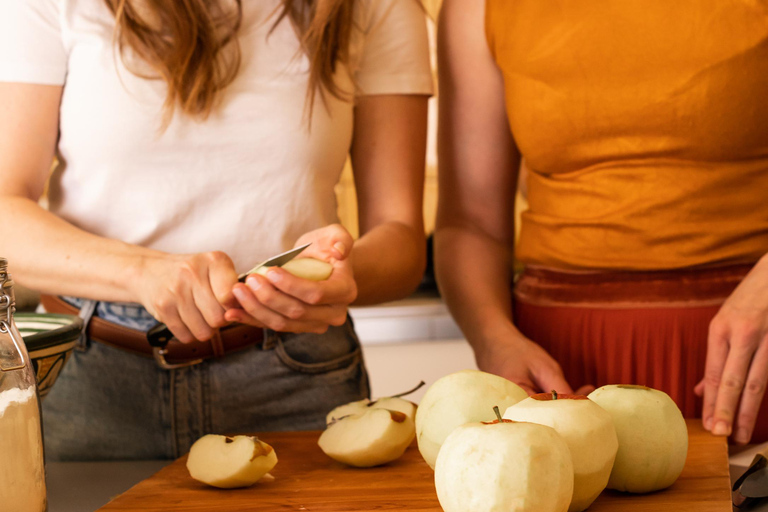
pixel 269 339
pixel 217 345
pixel 86 313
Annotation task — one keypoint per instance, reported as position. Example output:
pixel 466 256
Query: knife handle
pixel 159 335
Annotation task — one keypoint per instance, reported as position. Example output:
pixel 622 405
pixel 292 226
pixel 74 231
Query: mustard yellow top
pixel 645 126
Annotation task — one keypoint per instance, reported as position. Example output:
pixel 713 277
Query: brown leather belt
pixel 225 341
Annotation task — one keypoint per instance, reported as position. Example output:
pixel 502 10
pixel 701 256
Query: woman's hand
pixel 189 293
pixel 525 363
pixel 737 359
pixel 287 303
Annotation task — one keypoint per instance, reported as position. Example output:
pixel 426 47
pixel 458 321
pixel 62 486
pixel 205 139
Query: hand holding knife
pixel 159 335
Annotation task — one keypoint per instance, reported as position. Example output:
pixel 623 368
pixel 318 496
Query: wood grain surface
pixel 307 480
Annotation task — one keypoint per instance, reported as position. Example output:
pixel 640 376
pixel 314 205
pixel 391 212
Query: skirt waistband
pixel 668 288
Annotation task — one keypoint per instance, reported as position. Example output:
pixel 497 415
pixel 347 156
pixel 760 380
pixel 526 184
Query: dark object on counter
pixel 752 487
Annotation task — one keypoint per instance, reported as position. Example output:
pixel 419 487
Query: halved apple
pixel 305 268
pixel 371 438
pixel 229 462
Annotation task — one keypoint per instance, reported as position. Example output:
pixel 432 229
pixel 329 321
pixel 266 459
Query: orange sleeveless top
pixel 645 127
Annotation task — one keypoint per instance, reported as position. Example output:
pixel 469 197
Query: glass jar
pixel 22 473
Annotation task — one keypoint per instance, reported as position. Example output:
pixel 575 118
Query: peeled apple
pixel 305 268
pixel 504 466
pixel 653 437
pixel 587 430
pixel 229 462
pixel 462 397
pixel 371 438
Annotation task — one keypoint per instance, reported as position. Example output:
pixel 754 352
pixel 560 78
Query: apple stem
pixel 498 413
pixel 554 395
pixel 421 385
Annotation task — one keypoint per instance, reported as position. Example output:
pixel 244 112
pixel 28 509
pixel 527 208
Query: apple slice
pixel 305 268
pixel 372 438
pixel 587 429
pixel 229 462
pixel 504 466
pixel 653 437
pixel 462 397
pixel 393 403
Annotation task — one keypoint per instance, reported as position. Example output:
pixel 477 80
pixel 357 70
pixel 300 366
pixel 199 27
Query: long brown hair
pixel 192 44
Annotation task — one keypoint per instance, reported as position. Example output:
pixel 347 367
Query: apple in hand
pixel 587 430
pixel 653 437
pixel 305 268
pixel 371 438
pixel 229 462
pixel 504 466
pixel 462 397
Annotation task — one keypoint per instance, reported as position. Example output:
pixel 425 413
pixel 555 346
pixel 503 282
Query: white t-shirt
pixel 249 180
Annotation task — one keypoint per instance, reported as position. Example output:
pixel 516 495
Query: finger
pixel 193 319
pixel 210 308
pixel 717 353
pixel 332 241
pixel 699 389
pixel 752 397
pixel 585 390
pixel 269 318
pixel 173 321
pixel 293 308
pixel 336 290
pixel 552 379
pixel 240 316
pixel 222 277
pixel 731 384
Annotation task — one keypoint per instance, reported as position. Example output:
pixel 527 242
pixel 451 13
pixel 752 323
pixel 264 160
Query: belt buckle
pixel 159 354
pixel 159 337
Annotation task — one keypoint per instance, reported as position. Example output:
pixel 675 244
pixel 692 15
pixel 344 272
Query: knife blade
pixel 752 486
pixel 275 261
pixel 159 335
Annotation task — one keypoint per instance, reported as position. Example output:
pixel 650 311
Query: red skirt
pixel 647 328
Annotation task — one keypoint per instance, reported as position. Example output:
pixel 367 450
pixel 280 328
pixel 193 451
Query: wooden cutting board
pixel 307 480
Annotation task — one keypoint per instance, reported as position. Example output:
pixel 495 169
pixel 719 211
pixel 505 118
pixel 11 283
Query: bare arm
pixel 388 154
pixel 479 164
pixel 48 254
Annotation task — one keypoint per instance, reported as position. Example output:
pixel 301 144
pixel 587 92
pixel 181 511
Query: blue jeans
pixel 109 404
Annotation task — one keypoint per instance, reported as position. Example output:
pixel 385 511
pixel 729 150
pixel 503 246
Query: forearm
pixel 48 254
pixel 389 262
pixel 474 274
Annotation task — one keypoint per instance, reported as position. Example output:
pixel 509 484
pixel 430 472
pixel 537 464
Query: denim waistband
pixel 126 314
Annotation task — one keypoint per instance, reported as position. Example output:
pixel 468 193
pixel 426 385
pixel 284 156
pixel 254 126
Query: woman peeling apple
pixel 646 236
pixel 195 139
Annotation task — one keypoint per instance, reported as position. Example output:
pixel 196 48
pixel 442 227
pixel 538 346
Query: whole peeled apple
pixel 653 437
pixel 587 430
pixel 305 268
pixel 462 397
pixel 229 462
pixel 371 438
pixel 504 466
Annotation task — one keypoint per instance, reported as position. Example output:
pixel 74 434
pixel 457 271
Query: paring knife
pixel 752 487
pixel 160 335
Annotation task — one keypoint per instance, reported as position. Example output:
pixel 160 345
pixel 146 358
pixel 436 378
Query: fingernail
pixel 238 293
pixel 708 423
pixel 340 247
pixel 742 435
pixel 252 283
pixel 274 276
pixel 721 429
